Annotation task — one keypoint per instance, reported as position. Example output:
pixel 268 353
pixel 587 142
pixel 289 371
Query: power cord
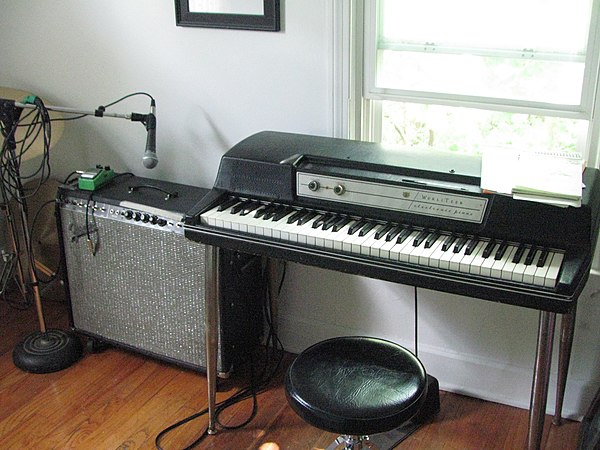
pixel 273 357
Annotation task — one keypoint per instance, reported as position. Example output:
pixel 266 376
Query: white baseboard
pixel 466 374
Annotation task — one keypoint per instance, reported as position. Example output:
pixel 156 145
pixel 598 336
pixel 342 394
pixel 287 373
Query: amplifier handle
pixel 170 195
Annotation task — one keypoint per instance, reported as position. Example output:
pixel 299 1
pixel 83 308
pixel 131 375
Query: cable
pixel 416 323
pixel 258 384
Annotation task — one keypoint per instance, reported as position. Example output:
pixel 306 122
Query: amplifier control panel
pixel 141 215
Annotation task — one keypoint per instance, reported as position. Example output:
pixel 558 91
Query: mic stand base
pixel 48 351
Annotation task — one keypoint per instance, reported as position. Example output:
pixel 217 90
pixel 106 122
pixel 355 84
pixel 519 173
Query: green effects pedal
pixel 92 179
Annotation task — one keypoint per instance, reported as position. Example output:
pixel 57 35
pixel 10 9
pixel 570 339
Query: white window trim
pixel 357 117
pixel 581 111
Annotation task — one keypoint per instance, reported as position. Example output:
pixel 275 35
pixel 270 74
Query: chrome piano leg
pixel 541 377
pixel 567 329
pixel 211 303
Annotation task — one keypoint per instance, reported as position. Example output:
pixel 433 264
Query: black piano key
pixel 471 245
pixel 383 229
pixel 393 233
pixel 237 208
pixel 306 218
pixel 280 214
pixel 404 233
pixel 331 222
pixel 268 215
pixel 341 224
pixel 530 256
pixel 297 215
pixel 448 242
pixel 543 257
pixel 419 238
pixel 487 251
pixel 432 239
pixel 356 226
pixel 460 243
pixel 501 251
pixel 368 227
pixel 262 211
pixel 321 220
pixel 519 254
pixel 249 208
pixel 228 203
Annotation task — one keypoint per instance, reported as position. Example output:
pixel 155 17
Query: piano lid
pixel 279 147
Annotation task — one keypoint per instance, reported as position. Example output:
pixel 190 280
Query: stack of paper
pixel 537 176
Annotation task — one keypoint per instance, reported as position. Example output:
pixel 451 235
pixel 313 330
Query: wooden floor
pixel 120 400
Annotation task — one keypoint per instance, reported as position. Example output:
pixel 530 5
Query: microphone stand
pixel 47 350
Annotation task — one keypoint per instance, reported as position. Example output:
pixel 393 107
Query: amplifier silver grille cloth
pixel 144 287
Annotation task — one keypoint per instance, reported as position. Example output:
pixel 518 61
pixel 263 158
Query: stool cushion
pixel 356 385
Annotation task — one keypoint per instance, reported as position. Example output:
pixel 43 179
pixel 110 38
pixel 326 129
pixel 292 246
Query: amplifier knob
pixel 145 218
pixel 137 217
pixel 153 220
pixel 314 185
pixel 339 189
pixel 128 214
pixel 161 222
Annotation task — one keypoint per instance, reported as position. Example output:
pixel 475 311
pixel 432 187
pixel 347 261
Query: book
pixel 548 177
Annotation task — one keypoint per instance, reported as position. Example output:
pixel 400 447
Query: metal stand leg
pixel 567 329
pixel 541 376
pixel 211 302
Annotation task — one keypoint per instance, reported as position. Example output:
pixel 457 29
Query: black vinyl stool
pixel 356 387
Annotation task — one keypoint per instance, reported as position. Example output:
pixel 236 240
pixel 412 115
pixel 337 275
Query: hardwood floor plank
pixel 121 400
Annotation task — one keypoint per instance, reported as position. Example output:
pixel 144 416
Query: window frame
pixel 358 114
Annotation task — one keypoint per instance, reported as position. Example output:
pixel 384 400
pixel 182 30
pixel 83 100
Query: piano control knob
pixel 314 185
pixel 339 189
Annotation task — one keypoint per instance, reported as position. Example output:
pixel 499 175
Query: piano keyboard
pixel 483 256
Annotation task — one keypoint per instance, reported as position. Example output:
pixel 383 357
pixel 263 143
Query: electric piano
pixel 412 217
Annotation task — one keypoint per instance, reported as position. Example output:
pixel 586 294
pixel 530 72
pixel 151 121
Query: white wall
pixel 215 87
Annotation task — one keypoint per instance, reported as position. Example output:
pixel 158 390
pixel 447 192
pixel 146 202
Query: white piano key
pixel 339 236
pixel 539 278
pixel 446 257
pixel 478 260
pixel 486 265
pixel 397 252
pixel 279 228
pixel 426 253
pixel 554 269
pixel 499 264
pixel 509 267
pixel 529 273
pixel 467 261
pixel 416 252
pixel 438 253
pixel 368 245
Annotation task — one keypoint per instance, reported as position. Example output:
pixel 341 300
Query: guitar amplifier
pixel 134 280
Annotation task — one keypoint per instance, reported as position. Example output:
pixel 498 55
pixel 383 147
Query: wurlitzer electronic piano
pixel 405 216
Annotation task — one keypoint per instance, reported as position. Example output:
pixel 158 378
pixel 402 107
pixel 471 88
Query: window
pixel 470 75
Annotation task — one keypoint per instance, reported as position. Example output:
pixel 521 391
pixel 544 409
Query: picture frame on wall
pixel 261 15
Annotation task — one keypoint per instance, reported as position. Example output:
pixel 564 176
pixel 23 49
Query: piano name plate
pixel 417 200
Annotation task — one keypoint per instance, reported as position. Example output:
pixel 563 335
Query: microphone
pixel 150 160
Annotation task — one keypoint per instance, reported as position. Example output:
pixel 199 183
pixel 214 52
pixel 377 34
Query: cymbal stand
pixel 47 350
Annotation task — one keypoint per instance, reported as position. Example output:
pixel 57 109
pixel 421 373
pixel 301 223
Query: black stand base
pixel 389 440
pixel 47 352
